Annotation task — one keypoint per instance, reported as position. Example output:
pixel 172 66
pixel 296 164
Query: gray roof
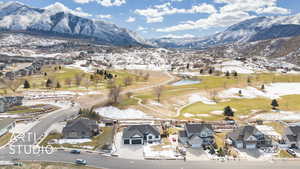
pixel 140 130
pixel 295 130
pixel 6 122
pixel 89 124
pixel 193 128
pixel 242 133
pixel 182 133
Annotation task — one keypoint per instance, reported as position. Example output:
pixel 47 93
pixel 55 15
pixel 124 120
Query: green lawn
pixel 242 107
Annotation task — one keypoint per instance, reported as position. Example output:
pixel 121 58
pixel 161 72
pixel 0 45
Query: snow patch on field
pixel 188 115
pixel 272 91
pixel 198 98
pixel 217 112
pixel 282 115
pixel 166 152
pixel 115 113
pixel 71 141
pixel 235 66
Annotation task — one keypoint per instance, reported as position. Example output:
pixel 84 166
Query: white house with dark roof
pixel 141 134
pixel 197 134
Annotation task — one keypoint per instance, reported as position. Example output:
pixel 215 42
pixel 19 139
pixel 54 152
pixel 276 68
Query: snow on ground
pixel 42 94
pixel 154 103
pixel 165 151
pixel 269 131
pixel 282 115
pixel 115 113
pixel 188 115
pixel 71 141
pixel 77 65
pixel 272 91
pixel 23 127
pixel 217 112
pixel 234 66
pixel 198 98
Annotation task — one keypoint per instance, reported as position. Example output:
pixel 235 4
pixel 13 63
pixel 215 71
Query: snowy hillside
pixel 59 20
pixel 259 28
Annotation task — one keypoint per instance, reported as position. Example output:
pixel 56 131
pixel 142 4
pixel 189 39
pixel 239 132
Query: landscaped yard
pixel 284 154
pixel 106 137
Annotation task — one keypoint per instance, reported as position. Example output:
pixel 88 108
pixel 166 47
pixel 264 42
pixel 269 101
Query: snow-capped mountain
pixel 57 20
pixel 259 28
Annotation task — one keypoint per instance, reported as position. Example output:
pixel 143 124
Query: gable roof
pixel 140 130
pixel 193 128
pixel 242 133
pixel 84 122
pixel 295 130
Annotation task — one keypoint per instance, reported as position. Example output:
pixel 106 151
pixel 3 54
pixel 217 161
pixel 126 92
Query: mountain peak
pixel 10 3
pixel 57 7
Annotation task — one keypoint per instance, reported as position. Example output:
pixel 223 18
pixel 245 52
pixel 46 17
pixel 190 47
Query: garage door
pixel 137 141
pixel 250 146
pixel 126 141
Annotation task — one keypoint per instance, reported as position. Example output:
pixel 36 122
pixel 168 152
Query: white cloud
pixel 140 28
pixel 214 20
pixel 273 10
pixel 130 19
pixel 101 16
pixel 157 12
pixel 106 3
pixel 232 12
pixel 59 7
pixel 178 36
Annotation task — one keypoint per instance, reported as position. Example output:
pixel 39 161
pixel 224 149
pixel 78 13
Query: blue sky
pixel 174 18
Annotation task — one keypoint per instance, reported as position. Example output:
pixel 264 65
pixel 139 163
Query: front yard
pixel 97 142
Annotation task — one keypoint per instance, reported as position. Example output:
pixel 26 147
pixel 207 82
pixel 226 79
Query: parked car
pixel 81 162
pixel 75 151
pixel 292 152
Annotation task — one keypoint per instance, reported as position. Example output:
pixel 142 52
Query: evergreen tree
pixel 58 85
pixel 262 87
pixel 49 83
pixel 26 84
pixel 227 74
pixel 228 112
pixel 274 104
pixel 240 92
pixel 201 71
pixel 235 74
pixel 210 71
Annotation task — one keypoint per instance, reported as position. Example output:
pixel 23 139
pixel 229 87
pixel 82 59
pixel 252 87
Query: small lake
pixel 185 82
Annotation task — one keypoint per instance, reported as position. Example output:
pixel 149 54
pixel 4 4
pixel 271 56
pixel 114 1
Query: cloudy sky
pixel 174 18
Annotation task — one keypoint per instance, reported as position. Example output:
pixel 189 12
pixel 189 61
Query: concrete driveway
pixel 196 154
pixel 128 151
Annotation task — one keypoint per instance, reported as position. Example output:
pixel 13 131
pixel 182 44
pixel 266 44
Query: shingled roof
pixel 193 128
pixel 141 130
pixel 242 133
pixel 89 124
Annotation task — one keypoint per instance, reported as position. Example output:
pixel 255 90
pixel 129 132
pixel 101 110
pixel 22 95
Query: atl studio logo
pixel 26 143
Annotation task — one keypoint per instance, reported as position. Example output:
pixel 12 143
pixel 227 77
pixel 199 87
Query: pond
pixel 185 82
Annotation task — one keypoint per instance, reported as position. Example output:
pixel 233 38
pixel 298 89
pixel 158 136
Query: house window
pixel 156 136
pixel 149 137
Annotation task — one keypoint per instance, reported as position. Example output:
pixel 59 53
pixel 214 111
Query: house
pixel 10 101
pixel 292 136
pixel 141 134
pixel 80 128
pixel 6 125
pixel 249 137
pixel 197 135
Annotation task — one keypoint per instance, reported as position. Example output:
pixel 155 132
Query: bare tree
pixel 114 94
pixel 158 92
pixel 78 79
pixel 129 94
pixel 68 82
pixel 146 76
pixel 13 85
pixel 127 81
